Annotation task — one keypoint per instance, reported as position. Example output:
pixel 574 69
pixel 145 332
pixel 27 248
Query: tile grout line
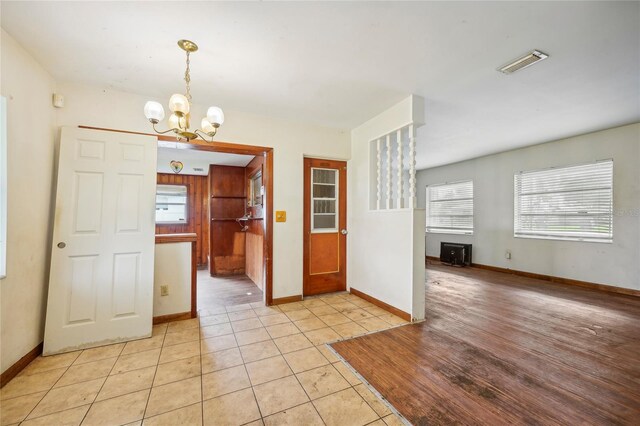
pixel 234 333
pixel 244 364
pixel 144 413
pixel 107 377
pixel 300 383
pixel 201 372
pixel 82 381
pixel 48 390
pixel 105 381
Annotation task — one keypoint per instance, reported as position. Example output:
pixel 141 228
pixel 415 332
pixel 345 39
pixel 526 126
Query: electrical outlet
pixel 164 290
pixel 507 254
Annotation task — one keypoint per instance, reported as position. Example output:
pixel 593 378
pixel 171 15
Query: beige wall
pixel 30 135
pixel 385 258
pixel 103 107
pixel 34 126
pixel 172 268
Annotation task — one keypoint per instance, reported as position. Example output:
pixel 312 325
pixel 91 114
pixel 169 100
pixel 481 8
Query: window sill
pixel 450 233
pixel 575 239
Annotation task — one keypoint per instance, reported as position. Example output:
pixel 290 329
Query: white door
pixel 101 280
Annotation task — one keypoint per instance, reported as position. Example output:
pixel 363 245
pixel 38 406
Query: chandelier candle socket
pixel 180 106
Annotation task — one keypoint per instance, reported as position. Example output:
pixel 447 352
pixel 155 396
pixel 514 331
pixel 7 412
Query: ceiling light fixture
pixel 180 106
pixel 529 59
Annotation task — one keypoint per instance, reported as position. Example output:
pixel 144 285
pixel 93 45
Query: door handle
pixel 344 232
pixel 61 245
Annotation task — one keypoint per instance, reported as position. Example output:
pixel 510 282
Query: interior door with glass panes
pixel 325 226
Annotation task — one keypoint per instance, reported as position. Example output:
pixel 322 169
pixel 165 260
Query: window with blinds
pixel 450 208
pixel 171 204
pixel 569 203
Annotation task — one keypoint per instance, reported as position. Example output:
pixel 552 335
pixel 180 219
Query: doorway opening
pixel 229 193
pixel 223 194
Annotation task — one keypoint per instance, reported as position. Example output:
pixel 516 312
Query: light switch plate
pixel 281 216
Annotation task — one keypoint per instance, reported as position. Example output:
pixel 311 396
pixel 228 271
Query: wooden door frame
pixel 267 181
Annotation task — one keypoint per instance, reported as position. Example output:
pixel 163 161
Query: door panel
pixel 82 294
pixel 325 239
pixel 101 280
pixel 324 253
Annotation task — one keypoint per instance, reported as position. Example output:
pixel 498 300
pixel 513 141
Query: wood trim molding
pixel 16 368
pixel 171 317
pixel 194 279
pixel 556 280
pixel 267 181
pixel 288 299
pixel 217 146
pixel 176 238
pixel 379 303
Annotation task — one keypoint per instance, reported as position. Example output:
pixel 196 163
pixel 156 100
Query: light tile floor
pixel 243 364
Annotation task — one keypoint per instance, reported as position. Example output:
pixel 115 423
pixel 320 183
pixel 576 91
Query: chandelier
pixel 180 106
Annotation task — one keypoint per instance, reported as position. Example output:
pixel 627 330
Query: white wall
pixel 98 107
pixel 172 267
pixel 614 264
pixel 30 135
pixel 381 244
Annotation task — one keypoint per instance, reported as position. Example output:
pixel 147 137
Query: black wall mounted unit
pixel 455 254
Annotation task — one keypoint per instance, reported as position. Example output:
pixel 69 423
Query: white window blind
pixel 171 204
pixel 450 208
pixel 569 203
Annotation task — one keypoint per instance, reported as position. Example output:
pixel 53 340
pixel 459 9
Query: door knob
pixel 61 245
pixel 344 232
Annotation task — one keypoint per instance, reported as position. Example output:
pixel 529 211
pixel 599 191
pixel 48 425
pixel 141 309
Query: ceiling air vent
pixel 198 169
pixel 523 62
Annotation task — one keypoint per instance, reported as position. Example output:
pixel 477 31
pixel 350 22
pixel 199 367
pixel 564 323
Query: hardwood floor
pixel 500 349
pixel 215 292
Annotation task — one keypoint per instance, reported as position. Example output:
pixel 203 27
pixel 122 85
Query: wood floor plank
pixel 501 349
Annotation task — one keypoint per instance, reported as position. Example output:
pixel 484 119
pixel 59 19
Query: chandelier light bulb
pixel 206 126
pixel 180 106
pixel 215 115
pixel 154 111
pixel 174 121
pixel 179 103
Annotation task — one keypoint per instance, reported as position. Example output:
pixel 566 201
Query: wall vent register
pixel 523 62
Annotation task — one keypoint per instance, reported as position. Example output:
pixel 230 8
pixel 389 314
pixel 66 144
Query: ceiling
pixel 338 64
pixel 192 158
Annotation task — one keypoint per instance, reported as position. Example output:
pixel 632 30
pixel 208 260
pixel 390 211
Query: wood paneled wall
pixel 228 198
pixel 198 221
pixel 254 262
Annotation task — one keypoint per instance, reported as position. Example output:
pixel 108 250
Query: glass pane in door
pixel 324 203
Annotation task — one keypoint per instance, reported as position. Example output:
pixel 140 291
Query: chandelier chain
pixel 187 79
